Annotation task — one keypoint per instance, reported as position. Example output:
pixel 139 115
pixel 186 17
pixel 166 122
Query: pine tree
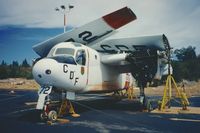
pixel 3 70
pixel 25 63
pixel 3 63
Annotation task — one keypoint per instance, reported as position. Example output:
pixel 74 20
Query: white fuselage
pixel 64 70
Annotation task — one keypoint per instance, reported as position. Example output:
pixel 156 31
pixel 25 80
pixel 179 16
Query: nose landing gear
pixel 53 111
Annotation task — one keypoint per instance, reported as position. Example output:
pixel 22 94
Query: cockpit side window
pixel 51 52
pixel 80 57
pixel 64 51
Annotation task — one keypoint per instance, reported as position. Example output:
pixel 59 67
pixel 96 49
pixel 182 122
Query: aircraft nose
pixel 44 70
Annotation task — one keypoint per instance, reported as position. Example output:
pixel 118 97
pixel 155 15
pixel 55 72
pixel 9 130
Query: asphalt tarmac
pixel 99 113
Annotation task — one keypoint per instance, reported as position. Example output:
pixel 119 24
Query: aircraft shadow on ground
pixel 103 104
pixel 84 106
pixel 107 104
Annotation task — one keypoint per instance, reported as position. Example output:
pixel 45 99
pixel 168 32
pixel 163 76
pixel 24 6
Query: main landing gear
pixel 144 101
pixel 143 68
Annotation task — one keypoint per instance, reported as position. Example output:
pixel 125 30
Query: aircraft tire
pixel 149 106
pixel 43 117
pixel 52 116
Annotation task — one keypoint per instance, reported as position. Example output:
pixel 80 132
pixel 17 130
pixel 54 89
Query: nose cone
pixel 44 71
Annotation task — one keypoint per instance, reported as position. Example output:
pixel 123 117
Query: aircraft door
pixel 81 60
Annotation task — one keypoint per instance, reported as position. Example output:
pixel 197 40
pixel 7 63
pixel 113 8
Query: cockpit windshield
pixel 64 59
pixel 64 51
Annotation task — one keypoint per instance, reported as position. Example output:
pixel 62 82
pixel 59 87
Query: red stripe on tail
pixel 120 17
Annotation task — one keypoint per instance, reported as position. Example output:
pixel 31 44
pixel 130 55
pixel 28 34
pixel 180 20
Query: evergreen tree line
pixel 187 64
pixel 15 70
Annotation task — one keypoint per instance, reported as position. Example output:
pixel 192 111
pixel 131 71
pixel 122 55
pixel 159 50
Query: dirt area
pixel 18 83
pixel 178 110
pixel 192 88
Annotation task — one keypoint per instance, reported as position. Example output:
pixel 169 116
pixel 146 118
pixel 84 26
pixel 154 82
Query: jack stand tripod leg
pixel 166 97
pixel 168 93
pixel 67 108
pixel 170 90
pixel 71 110
pixel 130 92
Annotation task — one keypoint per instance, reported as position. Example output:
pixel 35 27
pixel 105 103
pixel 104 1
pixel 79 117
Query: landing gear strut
pixel 144 67
pixel 145 103
pixel 142 96
pixel 143 99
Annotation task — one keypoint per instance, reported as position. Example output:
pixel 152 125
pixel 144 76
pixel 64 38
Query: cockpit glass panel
pixel 64 59
pixel 80 57
pixel 63 51
pixel 51 52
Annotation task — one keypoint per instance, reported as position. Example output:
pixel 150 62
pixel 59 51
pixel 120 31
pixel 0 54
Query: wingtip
pixel 120 17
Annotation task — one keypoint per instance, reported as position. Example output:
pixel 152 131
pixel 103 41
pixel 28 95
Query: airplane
pixel 82 61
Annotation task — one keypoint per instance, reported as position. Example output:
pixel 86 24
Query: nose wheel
pixel 48 113
pixel 52 116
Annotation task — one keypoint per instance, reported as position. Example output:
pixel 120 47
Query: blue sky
pixel 16 41
pixel 24 23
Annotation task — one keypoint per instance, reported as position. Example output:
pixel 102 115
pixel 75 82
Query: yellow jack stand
pixel 66 107
pixel 130 93
pixel 168 94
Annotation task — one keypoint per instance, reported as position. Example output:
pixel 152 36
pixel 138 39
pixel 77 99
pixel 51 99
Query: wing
pixel 141 56
pixel 158 42
pixel 90 33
